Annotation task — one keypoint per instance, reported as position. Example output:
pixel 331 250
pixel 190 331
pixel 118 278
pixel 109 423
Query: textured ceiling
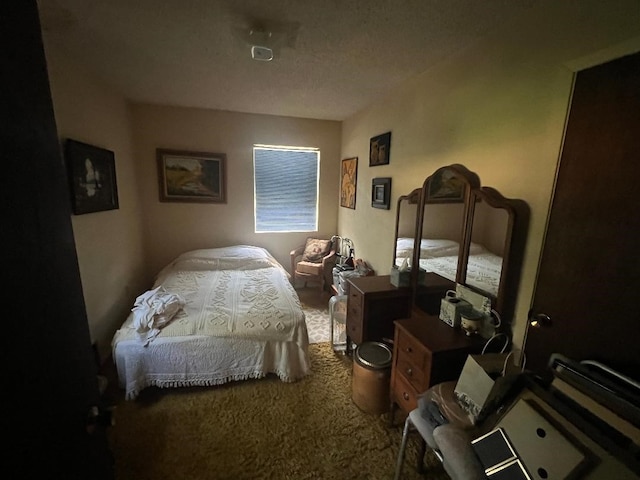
pixel 332 57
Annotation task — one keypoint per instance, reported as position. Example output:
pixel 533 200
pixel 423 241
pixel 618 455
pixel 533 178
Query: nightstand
pixel 426 351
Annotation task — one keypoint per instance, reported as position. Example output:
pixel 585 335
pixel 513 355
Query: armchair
pixel 313 261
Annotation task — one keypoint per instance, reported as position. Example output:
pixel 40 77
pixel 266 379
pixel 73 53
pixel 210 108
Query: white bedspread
pixel 241 319
pixel 483 270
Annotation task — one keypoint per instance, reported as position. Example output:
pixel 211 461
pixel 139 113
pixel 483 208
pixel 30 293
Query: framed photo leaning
pixel 92 177
pixel 196 177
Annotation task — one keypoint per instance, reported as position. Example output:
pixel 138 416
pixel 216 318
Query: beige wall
pixel 109 243
pixel 498 108
pixel 172 228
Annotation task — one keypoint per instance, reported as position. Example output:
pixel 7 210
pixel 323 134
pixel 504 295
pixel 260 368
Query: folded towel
pixel 153 310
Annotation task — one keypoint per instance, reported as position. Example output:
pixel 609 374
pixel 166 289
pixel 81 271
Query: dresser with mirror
pixel 465 236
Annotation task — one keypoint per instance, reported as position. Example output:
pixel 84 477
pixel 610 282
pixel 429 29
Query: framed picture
pixel 197 177
pixel 445 187
pixel 349 174
pixel 92 177
pixel 379 149
pixel 381 192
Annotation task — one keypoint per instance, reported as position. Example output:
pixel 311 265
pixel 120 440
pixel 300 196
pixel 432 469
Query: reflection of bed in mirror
pixel 441 256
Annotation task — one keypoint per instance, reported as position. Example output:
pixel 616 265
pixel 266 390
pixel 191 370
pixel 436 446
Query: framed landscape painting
pixel 197 177
pixel 92 177
pixel 445 187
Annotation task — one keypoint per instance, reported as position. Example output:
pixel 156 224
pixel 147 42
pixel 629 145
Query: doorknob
pixel 540 320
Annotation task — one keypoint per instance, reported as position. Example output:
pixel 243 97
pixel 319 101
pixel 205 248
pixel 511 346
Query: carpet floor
pixel 316 309
pixel 261 429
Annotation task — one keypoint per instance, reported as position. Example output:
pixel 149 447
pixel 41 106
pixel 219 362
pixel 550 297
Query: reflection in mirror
pixel 486 250
pixel 491 263
pixel 406 219
pixel 441 238
pixel 441 226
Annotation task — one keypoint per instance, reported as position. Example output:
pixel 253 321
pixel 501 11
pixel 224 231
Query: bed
pixel 238 318
pixel 441 256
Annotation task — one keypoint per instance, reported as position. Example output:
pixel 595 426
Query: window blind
pixel 286 189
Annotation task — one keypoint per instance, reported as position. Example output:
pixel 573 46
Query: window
pixel 286 188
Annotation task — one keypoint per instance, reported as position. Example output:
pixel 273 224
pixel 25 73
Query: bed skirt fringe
pixel 210 382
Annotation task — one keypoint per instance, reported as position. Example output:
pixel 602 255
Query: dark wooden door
pixel 589 277
pixel 49 381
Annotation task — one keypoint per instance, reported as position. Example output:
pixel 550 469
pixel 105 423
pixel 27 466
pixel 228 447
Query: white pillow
pixel 430 247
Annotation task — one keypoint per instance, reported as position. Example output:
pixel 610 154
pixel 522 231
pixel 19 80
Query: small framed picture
pixel 379 149
pixel 348 182
pixel 445 187
pixel 92 177
pixel 196 177
pixel 381 193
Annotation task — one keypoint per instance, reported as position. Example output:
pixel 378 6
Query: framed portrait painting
pixel 196 177
pixel 349 174
pixel 379 149
pixel 92 177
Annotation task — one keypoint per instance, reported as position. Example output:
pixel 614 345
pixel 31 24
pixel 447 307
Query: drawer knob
pixel 405 395
pixel 409 371
pixel 408 350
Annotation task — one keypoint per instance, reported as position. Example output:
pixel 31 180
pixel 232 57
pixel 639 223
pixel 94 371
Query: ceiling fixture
pixel 266 38
pixel 260 41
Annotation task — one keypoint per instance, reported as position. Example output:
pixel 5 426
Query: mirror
pixel 441 225
pixel 461 233
pixel 489 234
pixel 494 248
pixel 406 219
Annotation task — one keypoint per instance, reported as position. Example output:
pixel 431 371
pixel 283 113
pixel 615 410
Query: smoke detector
pixel 260 41
pixel 266 39
pixel 264 54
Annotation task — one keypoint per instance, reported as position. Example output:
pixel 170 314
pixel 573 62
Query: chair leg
pixel 421 454
pixel 403 445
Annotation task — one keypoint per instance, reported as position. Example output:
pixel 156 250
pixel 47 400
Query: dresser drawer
pixel 354 329
pixel 355 298
pixel 404 394
pixel 413 374
pixel 355 316
pixel 354 310
pixel 412 351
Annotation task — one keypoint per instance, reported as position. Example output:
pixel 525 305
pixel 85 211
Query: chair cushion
pixel 309 268
pixel 315 249
pixel 442 394
pixel 459 459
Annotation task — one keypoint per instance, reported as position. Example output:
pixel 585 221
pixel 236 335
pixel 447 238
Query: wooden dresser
pixel 426 351
pixel 373 304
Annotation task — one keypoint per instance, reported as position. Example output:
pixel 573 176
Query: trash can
pixel 371 377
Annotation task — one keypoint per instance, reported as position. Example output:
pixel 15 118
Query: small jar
pixel 471 321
